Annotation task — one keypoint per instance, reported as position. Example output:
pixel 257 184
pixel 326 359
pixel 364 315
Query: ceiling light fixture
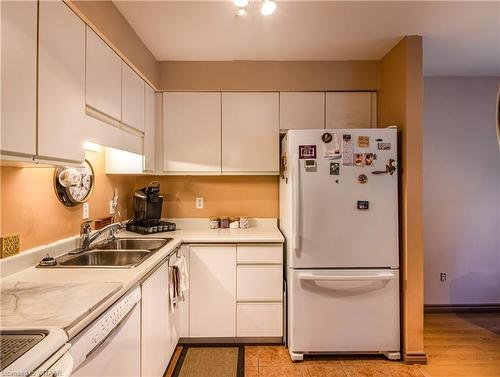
pixel 241 3
pixel 268 7
pixel 241 12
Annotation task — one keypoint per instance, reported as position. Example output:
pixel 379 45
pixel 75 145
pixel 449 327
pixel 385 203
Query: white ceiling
pixel 460 38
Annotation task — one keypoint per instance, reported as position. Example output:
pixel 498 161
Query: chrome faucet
pixel 87 239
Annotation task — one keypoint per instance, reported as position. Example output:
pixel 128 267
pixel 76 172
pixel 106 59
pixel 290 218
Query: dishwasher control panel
pixel 102 327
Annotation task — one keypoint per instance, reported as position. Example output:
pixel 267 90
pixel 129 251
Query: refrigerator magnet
pixel 369 159
pixel 327 137
pixel 363 205
pixel 347 149
pixel 363 141
pixel 307 152
pixel 334 168
pixel 358 159
pixel 384 146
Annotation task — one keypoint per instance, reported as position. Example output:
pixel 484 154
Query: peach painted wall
pixel 252 196
pixel 30 208
pixel 400 102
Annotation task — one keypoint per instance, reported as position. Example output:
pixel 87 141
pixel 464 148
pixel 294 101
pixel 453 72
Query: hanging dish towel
pixel 173 285
pixel 183 278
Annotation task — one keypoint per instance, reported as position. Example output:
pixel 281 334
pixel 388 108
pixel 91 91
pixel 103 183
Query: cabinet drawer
pixel 259 319
pixel 260 253
pixel 259 283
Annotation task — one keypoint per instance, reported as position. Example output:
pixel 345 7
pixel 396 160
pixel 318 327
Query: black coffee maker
pixel 148 203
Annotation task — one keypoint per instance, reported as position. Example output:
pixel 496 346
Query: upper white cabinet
pixel 250 133
pixel 191 133
pixel 61 83
pixel 18 77
pixel 351 110
pixel 132 98
pixel 104 77
pixel 302 110
pixel 212 300
pixel 149 130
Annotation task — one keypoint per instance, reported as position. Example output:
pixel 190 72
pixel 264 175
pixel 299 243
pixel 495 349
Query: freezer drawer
pixel 343 311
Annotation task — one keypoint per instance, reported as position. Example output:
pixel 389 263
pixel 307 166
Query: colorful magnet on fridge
pixel 384 146
pixel 363 141
pixel 363 205
pixel 358 159
pixel 307 152
pixel 368 159
pixel 334 168
pixel 362 178
pixel 327 137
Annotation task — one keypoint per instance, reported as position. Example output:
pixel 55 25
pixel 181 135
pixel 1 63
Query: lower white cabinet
pixel 257 319
pixel 212 309
pixel 157 340
pixel 259 282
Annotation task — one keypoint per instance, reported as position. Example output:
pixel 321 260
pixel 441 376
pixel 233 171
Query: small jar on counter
pixel 244 223
pixel 214 223
pixel 234 222
pixel 224 222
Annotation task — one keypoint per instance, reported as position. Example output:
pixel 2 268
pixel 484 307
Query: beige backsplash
pixel 252 196
pixel 29 206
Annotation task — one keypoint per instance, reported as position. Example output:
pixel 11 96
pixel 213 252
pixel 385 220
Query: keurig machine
pixel 148 203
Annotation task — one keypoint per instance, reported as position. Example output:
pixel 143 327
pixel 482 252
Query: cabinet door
pixel 250 133
pixel 191 133
pixel 349 110
pixel 132 98
pixel 302 110
pixel 212 311
pixel 104 77
pixel 61 83
pixel 156 336
pixel 18 77
pixel 149 129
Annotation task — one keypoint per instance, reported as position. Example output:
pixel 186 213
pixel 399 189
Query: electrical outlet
pixel 111 208
pixel 442 276
pixel 199 203
pixel 86 210
pixel 9 245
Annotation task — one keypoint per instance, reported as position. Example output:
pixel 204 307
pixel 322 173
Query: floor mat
pixel 211 361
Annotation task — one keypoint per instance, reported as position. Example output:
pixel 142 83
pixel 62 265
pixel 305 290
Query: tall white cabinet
pixel 18 77
pixel 132 99
pixel 191 133
pixel 149 147
pixel 61 83
pixel 250 133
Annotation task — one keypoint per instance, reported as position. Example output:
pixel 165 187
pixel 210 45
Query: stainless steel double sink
pixel 115 253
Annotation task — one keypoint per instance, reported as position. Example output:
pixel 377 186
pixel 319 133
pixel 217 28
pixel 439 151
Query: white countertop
pixel 128 278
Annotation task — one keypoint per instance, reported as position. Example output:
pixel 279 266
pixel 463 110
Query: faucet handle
pixel 86 226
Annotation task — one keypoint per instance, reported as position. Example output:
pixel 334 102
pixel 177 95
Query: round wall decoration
pixel 73 186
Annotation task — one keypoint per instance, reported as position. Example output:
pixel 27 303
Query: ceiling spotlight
pixel 241 12
pixel 241 4
pixel 268 7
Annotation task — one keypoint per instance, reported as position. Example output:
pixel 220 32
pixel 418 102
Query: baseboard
pixel 414 357
pixel 473 308
pixel 231 340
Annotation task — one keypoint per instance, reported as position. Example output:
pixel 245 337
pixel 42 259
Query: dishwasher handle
pixel 360 277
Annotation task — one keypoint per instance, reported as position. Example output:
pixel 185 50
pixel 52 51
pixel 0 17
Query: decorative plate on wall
pixel 73 186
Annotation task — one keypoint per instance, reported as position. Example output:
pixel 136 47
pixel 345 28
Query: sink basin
pixel 134 244
pixel 117 253
pixel 107 258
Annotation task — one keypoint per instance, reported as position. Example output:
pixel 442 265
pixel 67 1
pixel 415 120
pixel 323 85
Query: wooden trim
pixel 90 24
pixel 414 357
pixel 467 308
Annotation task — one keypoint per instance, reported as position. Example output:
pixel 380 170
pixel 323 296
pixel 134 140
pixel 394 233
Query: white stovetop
pixel 70 319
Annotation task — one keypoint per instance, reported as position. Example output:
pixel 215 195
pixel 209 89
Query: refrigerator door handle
pixel 378 276
pixel 296 202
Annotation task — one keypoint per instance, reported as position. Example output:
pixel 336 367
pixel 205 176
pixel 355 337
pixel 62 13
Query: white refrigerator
pixel 339 215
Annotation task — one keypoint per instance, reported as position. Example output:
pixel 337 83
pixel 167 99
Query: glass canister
pixel 214 223
pixel 234 222
pixel 224 222
pixel 244 223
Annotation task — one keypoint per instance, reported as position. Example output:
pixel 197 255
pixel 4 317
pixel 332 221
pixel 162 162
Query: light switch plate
pixel 199 203
pixel 111 208
pixel 10 245
pixel 86 210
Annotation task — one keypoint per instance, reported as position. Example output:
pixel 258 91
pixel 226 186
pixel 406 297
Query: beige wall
pixel 400 102
pixel 252 196
pixel 29 207
pixel 461 191
pixel 108 22
pixel 270 75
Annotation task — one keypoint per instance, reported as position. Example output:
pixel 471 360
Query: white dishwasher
pixel 111 345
